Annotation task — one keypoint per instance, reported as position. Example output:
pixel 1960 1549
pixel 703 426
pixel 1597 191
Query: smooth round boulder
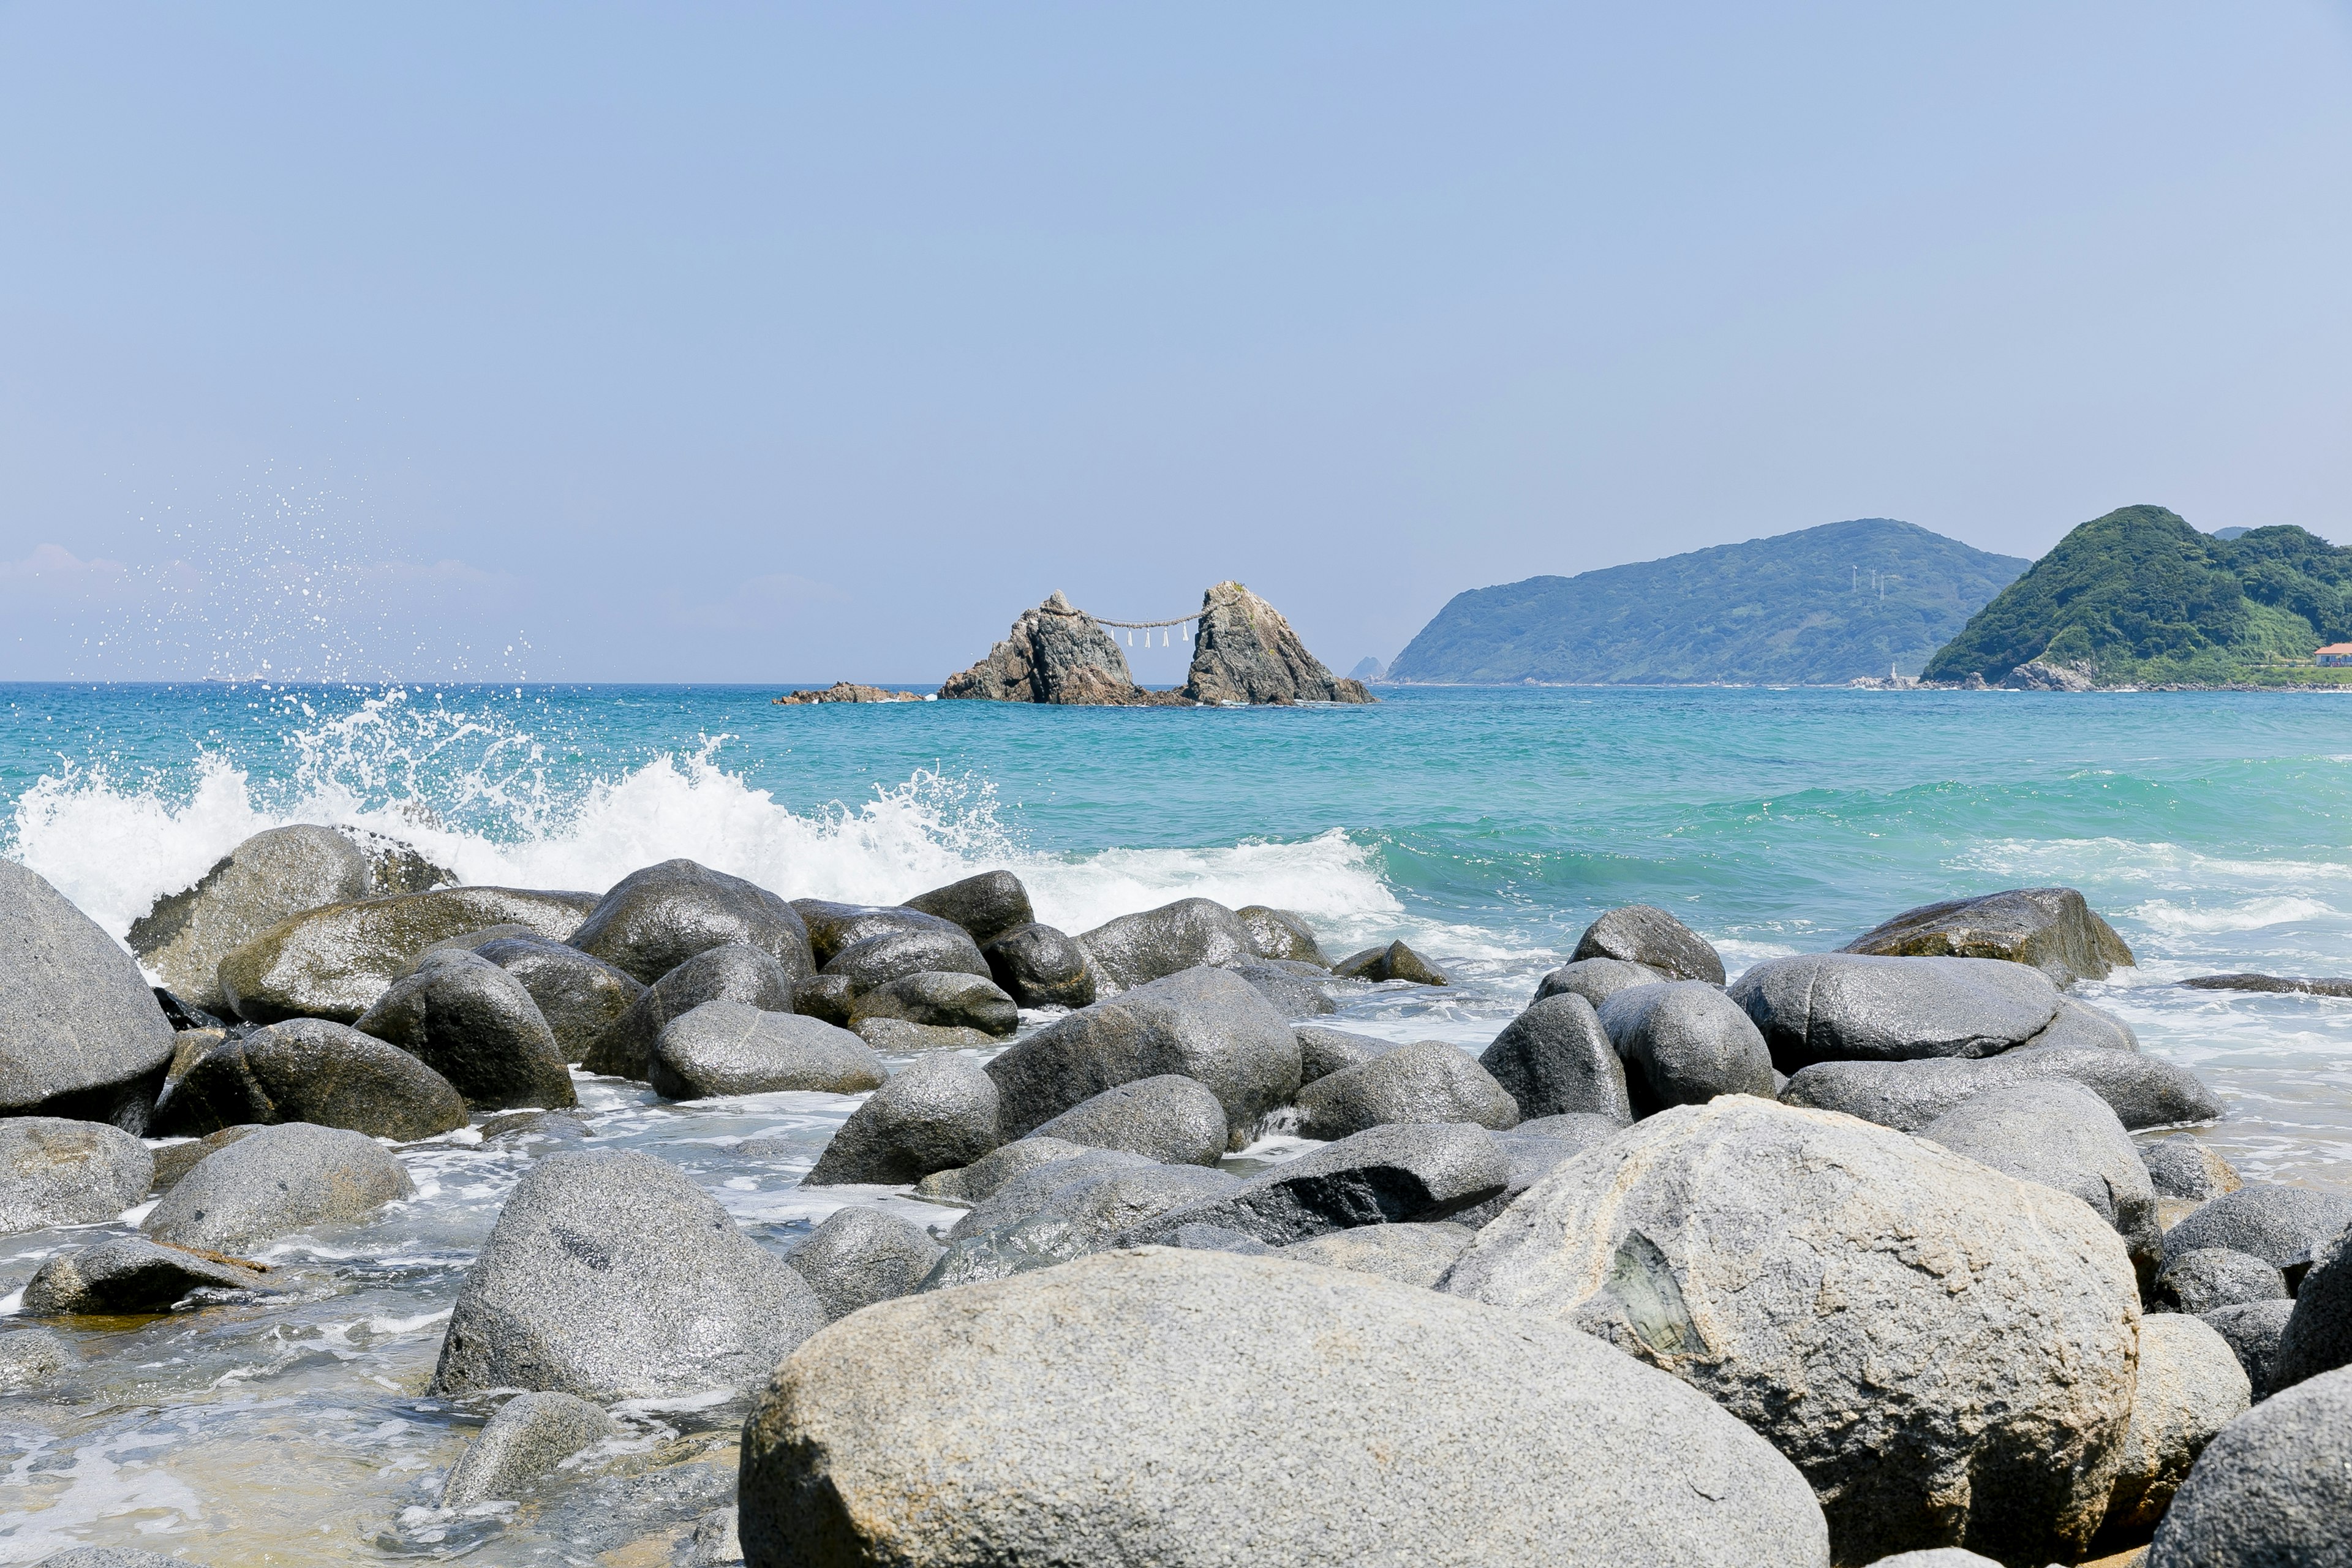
pixel 1137 949
pixel 2190 1387
pixel 270 876
pixel 826 996
pixel 1426 1081
pixel 2280 1224
pixel 1491 1439
pixel 986 906
pixel 335 961
pixel 1555 1060
pixel 2063 1136
pixel 474 1023
pixel 1279 933
pixel 1041 967
pixel 942 949
pixel 612 1276
pixel 578 995
pixel 1647 935
pixel 862 1254
pixel 897 1037
pixel 2318 1335
pixel 938 1114
pixel 1200 1024
pixel 833 926
pixel 1324 1051
pixel 2273 1488
pixel 177 1160
pixel 1166 1118
pixel 58 1171
pixel 655 919
pixel 2142 1090
pixel 731 972
pixel 1597 979
pixel 1945 1352
pixel 1294 990
pixel 941 1000
pixel 727 1048
pixel 1684 1043
pixel 1836 1006
pixel 1091 1212
pixel 129 1274
pixel 975 1182
pixel 80 1034
pixel 279 1182
pixel 2205 1278
pixel 1415 1255
pixel 530 1436
pixel 1026 1191
pixel 307 1070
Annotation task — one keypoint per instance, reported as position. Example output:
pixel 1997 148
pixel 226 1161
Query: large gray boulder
pixel 263 880
pixel 655 919
pixel 1281 934
pixel 1136 949
pixel 1090 1213
pixel 1293 989
pixel 1324 1051
pixel 2208 1279
pixel 474 1023
pixel 1836 1006
pixel 976 1182
pixel 1491 1441
pixel 2318 1337
pixel 1200 1024
pixel 307 1070
pixel 833 926
pixel 2253 1330
pixel 1027 1191
pixel 986 906
pixel 1946 1352
pixel 129 1274
pixel 1532 1151
pixel 279 1182
pixel 731 972
pixel 1598 979
pixel 862 1254
pixel 80 1034
pixel 940 948
pixel 56 1171
pixel 177 1160
pixel 2063 1136
pixel 939 999
pixel 2280 1224
pixel 2077 1025
pixel 2184 1168
pixel 1039 967
pixel 2049 929
pixel 1387 1175
pixel 2190 1387
pixel 940 1114
pixel 1645 934
pixel 1243 652
pixel 2142 1090
pixel 1555 1060
pixel 1684 1043
pixel 1409 1253
pixel 727 1047
pixel 1167 1118
pixel 1426 1081
pixel 579 996
pixel 334 962
pixel 2272 1489
pixel 530 1436
pixel 612 1276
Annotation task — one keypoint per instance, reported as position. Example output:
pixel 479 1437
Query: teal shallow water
pixel 1485 827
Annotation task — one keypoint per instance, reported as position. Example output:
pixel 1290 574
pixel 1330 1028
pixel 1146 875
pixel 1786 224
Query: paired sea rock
pixel 277 1182
pixel 1245 652
pixel 80 1032
pixel 1491 1439
pixel 335 961
pixel 1946 1352
pixel 984 1177
pixel 307 1070
pixel 612 1276
pixel 58 1171
pixel 2049 929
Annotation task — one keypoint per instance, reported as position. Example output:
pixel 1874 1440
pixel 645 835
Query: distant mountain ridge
pixel 2138 598
pixel 1820 606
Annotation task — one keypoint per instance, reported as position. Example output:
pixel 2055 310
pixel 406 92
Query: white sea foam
pixel 2251 914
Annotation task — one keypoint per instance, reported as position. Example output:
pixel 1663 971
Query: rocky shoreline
pixel 1853 1256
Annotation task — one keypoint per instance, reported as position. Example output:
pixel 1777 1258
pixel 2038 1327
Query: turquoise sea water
pixel 1484 826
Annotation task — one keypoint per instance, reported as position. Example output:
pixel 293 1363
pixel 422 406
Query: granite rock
pixel 1645 934
pixel 731 972
pixel 2049 929
pixel 58 1171
pixel 938 1114
pixel 526 1439
pixel 80 1032
pixel 1834 1006
pixel 279 1182
pixel 1683 1044
pixel 862 1254
pixel 2142 1090
pixel 1039 967
pixel 1166 1118
pixel 1426 1081
pixel 2273 1487
pixel 474 1023
pixel 655 919
pixel 270 876
pixel 728 1049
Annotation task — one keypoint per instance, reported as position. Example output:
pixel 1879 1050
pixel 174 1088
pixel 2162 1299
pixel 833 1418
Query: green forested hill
pixel 2139 596
pixel 1820 606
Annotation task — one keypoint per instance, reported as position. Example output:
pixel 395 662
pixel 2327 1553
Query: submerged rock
pixel 1532 1447
pixel 270 876
pixel 334 962
pixel 1649 936
pixel 56 1171
pixel 80 1032
pixel 1054 654
pixel 474 1025
pixel 727 1047
pixel 30 1357
pixel 2049 929
pixel 1834 1006
pixel 1426 1081
pixel 1245 652
pixel 731 972
pixel 1041 967
pixel 1136 949
pixel 307 1069
pixel 1945 1352
pixel 2142 1090
pixel 656 919
pixel 276 1183
pixel 131 1275
pixel 612 1276
pixel 530 1436
pixel 940 1114
pixel 2273 1487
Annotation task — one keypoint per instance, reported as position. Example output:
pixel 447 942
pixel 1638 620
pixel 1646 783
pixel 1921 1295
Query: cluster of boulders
pixel 1852 1258
pixel 1243 652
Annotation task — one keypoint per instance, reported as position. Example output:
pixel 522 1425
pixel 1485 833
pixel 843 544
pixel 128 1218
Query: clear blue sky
pixel 762 342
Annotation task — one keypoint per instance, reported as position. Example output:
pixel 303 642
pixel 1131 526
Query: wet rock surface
pixel 1683 1044
pixel 1039 967
pixel 131 1275
pixel 1054 654
pixel 2049 929
pixel 730 972
pixel 727 1047
pixel 307 1070
pixel 938 1114
pixel 940 999
pixel 1386 1175
pixel 1173 1120
pixel 474 1023
pixel 270 876
pixel 986 906
pixel 279 1182
pixel 1649 936
pixel 530 1434
pixel 579 996
pixel 54 1171
pixel 1833 1006
pixel 1137 949
pixel 80 1032
pixel 655 919
pixel 1427 1082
